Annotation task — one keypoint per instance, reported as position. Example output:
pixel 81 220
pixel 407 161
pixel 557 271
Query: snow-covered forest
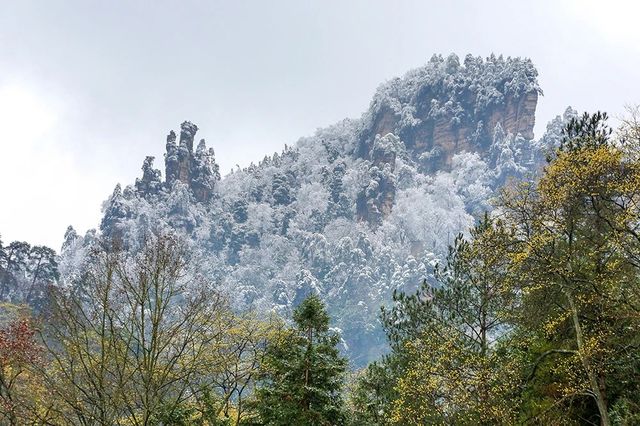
pixel 347 213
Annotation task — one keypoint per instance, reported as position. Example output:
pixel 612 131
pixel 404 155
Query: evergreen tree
pixel 281 190
pixel 448 340
pixel 43 272
pixel 303 372
pixel 373 393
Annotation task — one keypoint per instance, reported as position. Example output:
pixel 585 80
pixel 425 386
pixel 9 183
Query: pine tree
pixel 281 190
pixel 303 372
pixel 448 340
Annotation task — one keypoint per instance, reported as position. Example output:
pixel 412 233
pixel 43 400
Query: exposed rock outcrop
pixel 196 169
pixel 445 135
pixel 151 181
pixel 375 201
pixel 446 108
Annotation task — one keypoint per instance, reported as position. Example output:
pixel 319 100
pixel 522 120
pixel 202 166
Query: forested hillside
pixel 352 213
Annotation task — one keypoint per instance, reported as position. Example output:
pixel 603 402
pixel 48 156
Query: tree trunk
pixel 594 382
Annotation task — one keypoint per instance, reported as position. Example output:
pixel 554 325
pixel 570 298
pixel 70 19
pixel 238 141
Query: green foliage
pixel 311 316
pixel 588 131
pixel 535 317
pixel 303 373
pixel 457 371
pixel 205 411
pixel 574 261
pixel 373 394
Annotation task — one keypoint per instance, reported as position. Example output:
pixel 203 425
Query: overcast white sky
pixel 88 88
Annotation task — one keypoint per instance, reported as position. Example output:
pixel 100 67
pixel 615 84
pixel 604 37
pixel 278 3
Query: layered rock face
pixel 446 108
pixel 445 136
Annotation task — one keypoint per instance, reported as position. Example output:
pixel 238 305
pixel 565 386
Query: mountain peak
pixel 446 107
pixel 358 209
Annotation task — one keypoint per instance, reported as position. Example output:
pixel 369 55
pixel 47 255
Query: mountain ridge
pixel 357 210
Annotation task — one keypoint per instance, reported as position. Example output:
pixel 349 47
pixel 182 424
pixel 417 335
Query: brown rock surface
pixel 515 115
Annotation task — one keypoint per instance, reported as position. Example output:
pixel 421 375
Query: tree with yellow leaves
pixel 458 369
pixel 23 397
pixel 575 259
pixel 224 391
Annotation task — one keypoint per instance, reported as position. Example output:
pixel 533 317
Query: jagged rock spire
pixel 151 181
pixel 187 134
pixel 114 212
pixel 171 159
pixel 198 170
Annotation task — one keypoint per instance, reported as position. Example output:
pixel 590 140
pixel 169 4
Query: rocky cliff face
pixel 375 202
pixel 447 108
pixel 446 136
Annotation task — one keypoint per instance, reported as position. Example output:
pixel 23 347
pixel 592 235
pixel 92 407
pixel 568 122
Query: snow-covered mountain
pixel 353 212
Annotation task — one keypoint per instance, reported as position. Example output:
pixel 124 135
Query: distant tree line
pixel 26 272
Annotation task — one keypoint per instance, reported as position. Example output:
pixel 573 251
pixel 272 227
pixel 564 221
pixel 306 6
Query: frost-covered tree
pixel 27 273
